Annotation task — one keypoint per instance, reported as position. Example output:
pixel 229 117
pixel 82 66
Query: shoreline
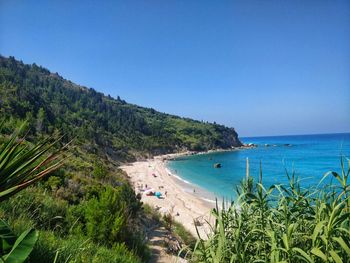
pixel 173 156
pixel 185 201
pixel 186 207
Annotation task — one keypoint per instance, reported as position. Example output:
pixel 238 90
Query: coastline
pixel 185 201
pixel 173 156
pixel 177 199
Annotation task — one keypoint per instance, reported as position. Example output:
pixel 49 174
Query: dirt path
pixel 157 237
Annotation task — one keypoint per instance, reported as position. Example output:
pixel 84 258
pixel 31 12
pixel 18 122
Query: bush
pixel 106 217
pixel 112 217
pixel 54 182
pixel 39 206
pixel 168 221
pixel 151 213
pixel 184 235
pixel 282 224
pixel 99 170
pixel 109 217
pixel 119 253
pixel 78 249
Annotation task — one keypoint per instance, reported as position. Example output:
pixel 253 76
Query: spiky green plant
pixel 20 167
pixel 282 224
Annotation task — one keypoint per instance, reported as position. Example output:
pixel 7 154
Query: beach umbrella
pixel 158 194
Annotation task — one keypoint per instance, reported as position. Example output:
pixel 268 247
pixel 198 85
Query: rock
pixel 217 165
pixel 252 145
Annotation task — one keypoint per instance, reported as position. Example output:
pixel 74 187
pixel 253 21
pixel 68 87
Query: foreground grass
pixel 62 236
pixel 282 224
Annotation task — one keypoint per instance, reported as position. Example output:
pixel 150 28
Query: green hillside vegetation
pixel 87 211
pixel 84 213
pixel 99 123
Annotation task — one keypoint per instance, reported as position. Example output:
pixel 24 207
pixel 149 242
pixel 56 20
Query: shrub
pixel 78 249
pixel 38 205
pixel 99 170
pixel 168 221
pixel 184 234
pixel 151 213
pixel 282 224
pixel 106 217
pixel 54 182
pixel 119 253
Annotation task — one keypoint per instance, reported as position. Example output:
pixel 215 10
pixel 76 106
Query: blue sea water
pixel 310 156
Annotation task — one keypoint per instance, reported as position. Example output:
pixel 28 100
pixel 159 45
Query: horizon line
pixel 287 135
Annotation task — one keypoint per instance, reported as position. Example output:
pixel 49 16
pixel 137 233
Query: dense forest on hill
pixel 87 211
pixel 122 130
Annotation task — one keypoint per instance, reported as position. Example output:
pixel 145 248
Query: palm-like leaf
pixel 21 166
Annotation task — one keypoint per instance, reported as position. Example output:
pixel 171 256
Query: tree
pixel 40 120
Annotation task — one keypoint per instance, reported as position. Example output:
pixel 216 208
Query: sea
pixel 309 157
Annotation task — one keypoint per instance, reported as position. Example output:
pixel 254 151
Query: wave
pixel 208 200
pixel 177 177
pixel 199 195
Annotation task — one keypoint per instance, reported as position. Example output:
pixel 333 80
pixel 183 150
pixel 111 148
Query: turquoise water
pixel 311 156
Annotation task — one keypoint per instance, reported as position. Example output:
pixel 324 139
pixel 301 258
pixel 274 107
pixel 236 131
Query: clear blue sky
pixel 263 67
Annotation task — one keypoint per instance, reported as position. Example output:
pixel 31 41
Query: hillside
pixel 86 211
pixel 106 125
pixel 89 204
pixel 119 128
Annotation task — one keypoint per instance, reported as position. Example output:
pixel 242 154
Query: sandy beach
pixel 185 207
